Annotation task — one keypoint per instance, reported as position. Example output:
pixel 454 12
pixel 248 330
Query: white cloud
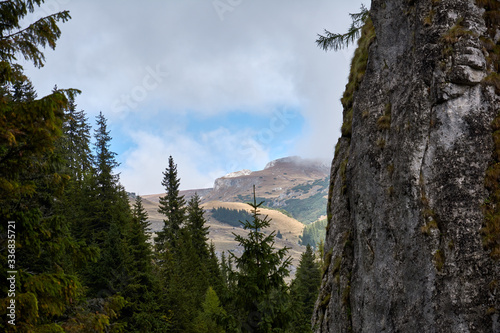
pixel 260 56
pixel 199 161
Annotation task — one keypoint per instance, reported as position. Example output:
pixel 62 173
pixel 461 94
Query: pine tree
pixel 261 291
pixel 142 313
pixel 109 215
pixel 26 41
pixel 304 290
pixel 139 256
pixel 74 149
pixel 195 223
pixel 338 41
pixel 105 160
pixel 76 142
pixel 211 319
pixel 185 282
pixel 138 237
pixel 172 207
pixel 215 278
pixel 103 189
pixel 30 175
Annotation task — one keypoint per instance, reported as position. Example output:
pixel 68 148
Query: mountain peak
pixel 284 160
pixel 244 172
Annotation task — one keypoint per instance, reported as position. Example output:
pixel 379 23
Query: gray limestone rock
pixel 404 249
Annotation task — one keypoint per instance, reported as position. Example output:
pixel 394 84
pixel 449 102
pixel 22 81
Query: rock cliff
pixel 413 235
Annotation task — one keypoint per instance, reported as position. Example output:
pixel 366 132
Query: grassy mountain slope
pixel 291 185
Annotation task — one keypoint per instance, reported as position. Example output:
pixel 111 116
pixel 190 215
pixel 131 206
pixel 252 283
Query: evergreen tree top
pixel 338 41
pixel 26 41
pixel 172 207
pixel 261 291
pixel 260 266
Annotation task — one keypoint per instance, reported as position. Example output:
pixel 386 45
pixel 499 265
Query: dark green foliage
pixel 74 149
pixel 186 265
pixel 26 41
pixel 214 268
pixel 306 187
pixel 104 164
pixel 172 207
pixel 31 176
pixel 313 233
pixel 97 315
pixel 83 255
pixel 230 216
pixel 227 278
pixel 109 215
pixel 307 210
pixel 261 295
pixel 75 143
pixel 195 223
pixel 304 291
pixel 337 41
pixel 185 281
pixel 139 255
pixel 137 232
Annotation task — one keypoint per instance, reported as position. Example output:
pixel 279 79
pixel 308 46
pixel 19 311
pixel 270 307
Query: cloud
pixel 200 160
pixel 154 66
pixel 144 164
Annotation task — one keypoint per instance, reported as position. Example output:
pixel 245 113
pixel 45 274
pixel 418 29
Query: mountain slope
pixel 297 187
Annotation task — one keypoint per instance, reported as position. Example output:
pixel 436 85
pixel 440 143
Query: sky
pixel 221 85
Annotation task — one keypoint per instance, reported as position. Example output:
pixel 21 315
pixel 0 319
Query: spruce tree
pixel 76 142
pixel 195 223
pixel 74 149
pixel 139 257
pixel 226 271
pixel 261 292
pixel 338 41
pixel 103 189
pixel 213 316
pixel 215 278
pixel 138 238
pixel 172 206
pixel 185 282
pixel 31 179
pixel 304 290
pixel 105 161
pixel 109 215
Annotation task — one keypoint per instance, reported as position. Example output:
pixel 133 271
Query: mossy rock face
pixel 491 227
pixel 357 72
pixel 416 176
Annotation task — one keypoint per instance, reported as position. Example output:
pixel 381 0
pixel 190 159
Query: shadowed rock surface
pixel 413 235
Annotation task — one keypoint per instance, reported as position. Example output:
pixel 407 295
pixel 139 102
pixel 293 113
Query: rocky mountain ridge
pixel 296 185
pixel 299 185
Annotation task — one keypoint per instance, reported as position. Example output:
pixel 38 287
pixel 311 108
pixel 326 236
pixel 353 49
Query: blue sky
pixel 220 85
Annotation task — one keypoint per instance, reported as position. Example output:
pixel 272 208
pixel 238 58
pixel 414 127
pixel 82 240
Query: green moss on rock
pixel 358 69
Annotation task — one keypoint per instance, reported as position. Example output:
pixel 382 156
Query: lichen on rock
pixel 413 230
